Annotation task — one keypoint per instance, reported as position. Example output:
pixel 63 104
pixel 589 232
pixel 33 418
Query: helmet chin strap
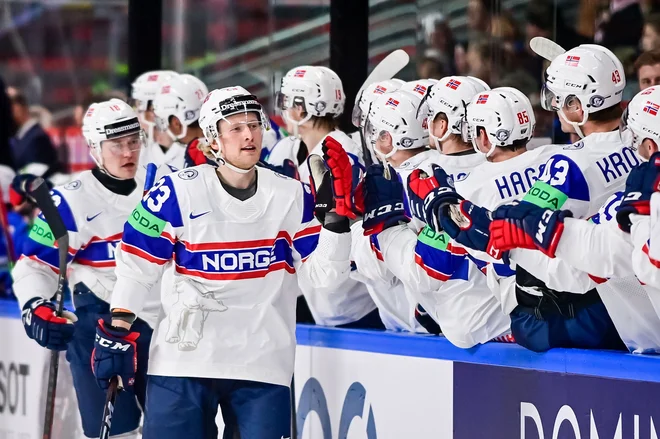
pixel 576 125
pixel 223 162
pixel 295 123
pixel 176 138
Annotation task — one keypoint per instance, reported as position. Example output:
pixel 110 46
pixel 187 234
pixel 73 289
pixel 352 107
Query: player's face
pixel 120 156
pixel 647 149
pixel 241 136
pixel 482 142
pixel 649 76
pixel 439 126
pixel 384 143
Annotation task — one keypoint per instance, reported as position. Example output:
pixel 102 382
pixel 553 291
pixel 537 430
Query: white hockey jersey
pixel 645 234
pixel 440 277
pixel 173 158
pixel 289 147
pixel 95 218
pixel 238 268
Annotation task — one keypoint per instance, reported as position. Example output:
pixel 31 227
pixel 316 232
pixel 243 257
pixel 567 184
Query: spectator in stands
pixel 620 25
pixel 651 37
pixel 478 17
pixel 479 59
pixel 32 149
pixel 439 46
pixel 647 67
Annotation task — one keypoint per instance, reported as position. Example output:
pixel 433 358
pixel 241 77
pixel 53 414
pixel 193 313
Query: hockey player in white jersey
pixel 93 208
pixel 176 109
pixel 143 91
pixel 604 247
pixel 237 236
pixel 311 98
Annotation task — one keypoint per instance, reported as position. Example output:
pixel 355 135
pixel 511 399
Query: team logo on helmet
pixel 651 108
pixel 407 142
pixel 319 106
pixel 502 135
pixel 453 84
pixel 596 101
pixel 299 74
pixel 572 60
pixel 190 115
pixel 188 174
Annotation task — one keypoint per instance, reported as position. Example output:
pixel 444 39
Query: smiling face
pixel 240 137
pixel 120 156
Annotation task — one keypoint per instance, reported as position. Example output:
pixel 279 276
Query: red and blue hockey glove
pixel 347 183
pixel 640 185
pixel 42 325
pixel 470 227
pixel 20 188
pixel 427 194
pixel 526 225
pixel 383 200
pixel 114 354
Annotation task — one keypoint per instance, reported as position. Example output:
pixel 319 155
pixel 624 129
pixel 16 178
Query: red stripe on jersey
pixel 655 262
pixel 456 250
pixel 281 265
pixel 598 280
pixel 313 230
pixel 36 259
pixel 377 252
pixel 97 264
pixel 142 254
pixel 115 237
pixel 435 274
pixel 236 244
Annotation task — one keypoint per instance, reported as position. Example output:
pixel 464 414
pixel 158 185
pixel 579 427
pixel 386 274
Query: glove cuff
pixel 336 223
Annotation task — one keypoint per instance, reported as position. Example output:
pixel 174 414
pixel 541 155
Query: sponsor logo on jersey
pixel 194 216
pixel 73 185
pixel 90 218
pixel 482 99
pixel 188 174
pixel 545 196
pixel 572 60
pixel 145 222
pixel 41 233
pixel 574 146
pixel 453 84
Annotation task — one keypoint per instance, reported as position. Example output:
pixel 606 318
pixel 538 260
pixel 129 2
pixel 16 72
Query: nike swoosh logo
pixel 193 216
pixel 92 217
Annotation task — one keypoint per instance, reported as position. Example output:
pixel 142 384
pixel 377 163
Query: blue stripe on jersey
pixel 162 202
pixel 441 264
pixel 160 247
pixel 64 211
pixel 48 255
pixel 99 251
pixel 503 270
pixel 234 260
pixel 306 243
pixel 356 163
pixel 563 173
pixel 308 204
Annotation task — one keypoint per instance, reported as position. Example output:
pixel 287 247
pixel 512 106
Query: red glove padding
pixel 346 184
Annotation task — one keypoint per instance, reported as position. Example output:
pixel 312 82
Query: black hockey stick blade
pixel 41 194
pixel 109 408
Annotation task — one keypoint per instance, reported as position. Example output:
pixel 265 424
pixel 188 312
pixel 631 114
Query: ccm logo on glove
pixel 543 224
pixel 112 344
pixel 382 210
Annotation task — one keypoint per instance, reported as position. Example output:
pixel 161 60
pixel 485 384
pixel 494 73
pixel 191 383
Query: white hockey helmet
pixel 590 73
pixel 640 120
pixel 109 120
pixel 403 116
pixel 419 87
pixel 506 115
pixel 368 95
pixel 197 81
pixel 179 97
pixel 218 105
pixel 318 90
pixel 450 96
pixel 146 86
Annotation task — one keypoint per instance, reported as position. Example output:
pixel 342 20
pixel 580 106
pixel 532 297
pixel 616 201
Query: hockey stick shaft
pixel 4 219
pixel 109 408
pixel 41 195
pixel 294 416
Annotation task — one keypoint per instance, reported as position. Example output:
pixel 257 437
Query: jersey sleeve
pixel 645 261
pixel 36 272
pixel 562 185
pixel 147 245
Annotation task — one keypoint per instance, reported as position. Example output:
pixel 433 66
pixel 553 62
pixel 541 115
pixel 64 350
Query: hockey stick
pixel 109 407
pixel 4 222
pixel 386 69
pixel 150 179
pixel 546 48
pixel 41 195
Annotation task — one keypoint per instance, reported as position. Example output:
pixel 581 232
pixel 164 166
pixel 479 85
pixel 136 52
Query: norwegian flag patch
pixel 152 78
pixel 453 84
pixel 379 90
pixel 419 88
pixel 299 74
pixel 482 99
pixel 165 90
pixel 392 102
pixel 651 108
pixel 572 60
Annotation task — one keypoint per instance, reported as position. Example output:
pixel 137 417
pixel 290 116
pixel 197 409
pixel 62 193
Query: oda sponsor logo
pixel 313 400
pixel 144 222
pixel 510 403
pixel 13 388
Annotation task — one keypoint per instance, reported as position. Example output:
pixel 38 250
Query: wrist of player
pixel 546 229
pixel 42 324
pixel 384 216
pixel 472 229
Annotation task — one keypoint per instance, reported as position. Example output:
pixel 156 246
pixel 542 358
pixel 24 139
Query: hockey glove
pixel 114 354
pixel 20 188
pixel 320 180
pixel 383 200
pixel 429 193
pixel 347 182
pixel 470 228
pixel 640 185
pixel 525 225
pixel 42 325
pixel 288 168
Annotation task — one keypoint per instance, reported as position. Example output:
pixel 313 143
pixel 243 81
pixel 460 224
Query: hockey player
pixel 311 99
pixel 143 90
pixel 599 247
pixel 237 236
pixel 176 109
pixel 93 208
